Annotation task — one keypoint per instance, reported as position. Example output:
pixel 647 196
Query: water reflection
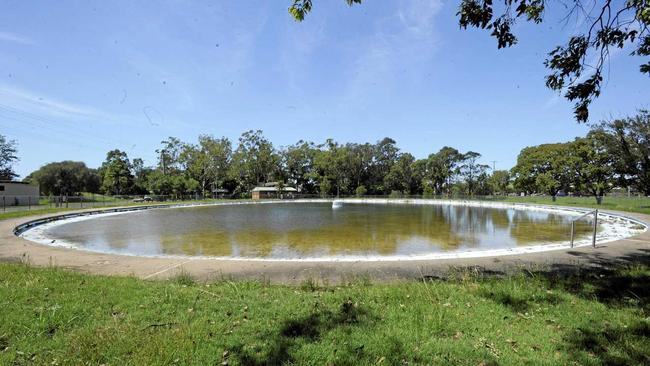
pixel 315 230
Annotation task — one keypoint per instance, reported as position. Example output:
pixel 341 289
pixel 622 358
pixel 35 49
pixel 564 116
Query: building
pixel 219 193
pixel 18 193
pixel 272 190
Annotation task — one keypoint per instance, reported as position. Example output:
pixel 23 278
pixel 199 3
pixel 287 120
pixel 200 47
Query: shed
pixel 272 192
pixel 18 193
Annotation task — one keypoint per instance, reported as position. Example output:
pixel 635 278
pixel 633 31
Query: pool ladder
pixel 595 226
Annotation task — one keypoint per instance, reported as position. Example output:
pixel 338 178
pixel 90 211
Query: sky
pixel 80 78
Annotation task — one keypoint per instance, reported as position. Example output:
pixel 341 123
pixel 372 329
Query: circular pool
pixel 322 230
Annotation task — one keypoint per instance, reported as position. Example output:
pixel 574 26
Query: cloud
pixel 400 49
pixel 30 102
pixel 15 38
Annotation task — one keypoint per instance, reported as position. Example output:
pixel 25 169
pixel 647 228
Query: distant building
pixel 219 193
pixel 18 193
pixel 272 190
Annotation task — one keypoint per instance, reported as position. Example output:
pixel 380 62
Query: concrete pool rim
pixel 26 226
pixel 19 250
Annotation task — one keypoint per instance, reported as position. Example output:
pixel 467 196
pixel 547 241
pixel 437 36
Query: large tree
pixel 116 173
pixel 254 161
pixel 593 165
pixel 499 182
pixel 441 169
pixel 68 178
pixel 628 141
pixel 576 67
pixel 208 162
pixel 7 158
pixel 298 162
pixel 543 168
pixel 473 173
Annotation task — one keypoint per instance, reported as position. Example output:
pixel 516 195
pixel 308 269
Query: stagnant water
pixel 313 230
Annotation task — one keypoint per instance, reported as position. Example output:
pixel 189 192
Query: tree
pixel 386 154
pixel 254 161
pixel 608 24
pixel 543 168
pixel 218 153
pixel 67 178
pixel 140 176
pixel 298 162
pixel 7 158
pixel 628 141
pixel 442 168
pixel 499 181
pixel 400 175
pixel 169 155
pixel 471 171
pixel 593 165
pixel 116 170
pixel 332 163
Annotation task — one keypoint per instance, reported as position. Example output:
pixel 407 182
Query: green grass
pixel 51 316
pixel 631 204
pixel 125 203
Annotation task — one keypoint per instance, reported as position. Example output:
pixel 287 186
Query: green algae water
pixel 315 230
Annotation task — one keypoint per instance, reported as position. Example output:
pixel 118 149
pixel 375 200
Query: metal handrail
pixel 573 226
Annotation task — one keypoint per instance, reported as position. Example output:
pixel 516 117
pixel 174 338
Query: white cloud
pixel 14 38
pixel 400 49
pixel 27 101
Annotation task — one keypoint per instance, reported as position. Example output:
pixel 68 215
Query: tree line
pixel 614 153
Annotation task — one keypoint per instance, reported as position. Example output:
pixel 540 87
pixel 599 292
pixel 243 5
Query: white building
pixel 18 193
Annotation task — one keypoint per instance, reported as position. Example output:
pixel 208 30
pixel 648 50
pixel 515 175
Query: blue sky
pixel 78 78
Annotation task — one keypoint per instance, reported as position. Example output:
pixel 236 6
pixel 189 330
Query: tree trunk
pixel 599 200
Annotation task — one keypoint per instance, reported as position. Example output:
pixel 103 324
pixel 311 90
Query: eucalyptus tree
pixel 169 155
pixel 386 154
pixel 7 158
pixel 298 162
pixel 400 177
pixel 576 67
pixel 331 163
pixel 208 163
pixel 472 171
pixel 442 168
pixel 116 173
pixel 140 176
pixel 254 161
pixel 361 165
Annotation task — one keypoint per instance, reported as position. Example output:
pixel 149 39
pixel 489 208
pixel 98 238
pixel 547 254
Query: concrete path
pixel 15 249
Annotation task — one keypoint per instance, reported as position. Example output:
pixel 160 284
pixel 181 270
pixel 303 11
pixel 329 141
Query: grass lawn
pixel 51 316
pixel 590 317
pixel 631 204
pixel 50 210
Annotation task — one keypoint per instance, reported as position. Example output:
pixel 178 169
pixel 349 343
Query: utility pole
pixel 494 165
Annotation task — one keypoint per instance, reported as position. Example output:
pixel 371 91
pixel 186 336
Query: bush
pixel 361 191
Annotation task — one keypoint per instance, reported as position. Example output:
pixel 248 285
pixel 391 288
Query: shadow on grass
pixel 310 329
pixel 610 345
pixel 618 283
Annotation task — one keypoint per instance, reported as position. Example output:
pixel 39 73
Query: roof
pixel 273 189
